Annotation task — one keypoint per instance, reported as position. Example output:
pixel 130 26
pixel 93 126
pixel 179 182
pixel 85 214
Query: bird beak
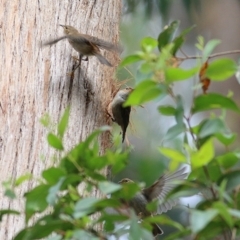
pixel 61 25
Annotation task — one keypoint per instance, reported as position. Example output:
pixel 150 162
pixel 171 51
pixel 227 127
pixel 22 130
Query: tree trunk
pixel 35 81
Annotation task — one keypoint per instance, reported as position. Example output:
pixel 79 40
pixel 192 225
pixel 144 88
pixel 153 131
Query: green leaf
pixel 211 127
pixel 54 141
pixel 213 101
pixel 167 110
pixel 226 138
pixel 135 231
pixel 63 122
pixel 7 212
pixel 130 59
pixel 36 200
pixel 209 48
pixel 173 154
pixel 22 179
pixel 200 219
pixel 221 69
pixel 228 159
pixel 52 175
pixel 45 120
pixel 166 35
pixel 233 180
pixel 52 196
pixel 178 41
pixel 234 212
pixel 223 211
pixel 144 92
pixel 93 136
pixel 178 74
pixel 85 206
pixel 10 193
pixel 128 191
pixel 148 44
pixel 174 131
pixel 204 155
pixel 82 234
pixel 109 187
pixel 42 229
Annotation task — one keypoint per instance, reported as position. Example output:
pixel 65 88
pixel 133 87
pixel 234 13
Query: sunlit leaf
pixel 173 154
pixel 54 141
pixel 63 122
pixel 204 155
pixel 22 179
pixel 130 59
pixel 178 74
pixel 148 44
pixel 221 69
pixel 167 110
pixel 144 92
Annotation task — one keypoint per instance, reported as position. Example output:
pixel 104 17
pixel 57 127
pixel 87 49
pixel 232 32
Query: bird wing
pixel 79 38
pixel 162 187
pixel 104 44
pixel 51 42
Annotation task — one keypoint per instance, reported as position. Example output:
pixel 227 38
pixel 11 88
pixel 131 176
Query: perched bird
pixel 120 114
pixel 85 44
pixel 158 190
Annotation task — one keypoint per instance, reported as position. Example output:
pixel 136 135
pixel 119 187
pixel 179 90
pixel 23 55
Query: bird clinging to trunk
pixel 121 114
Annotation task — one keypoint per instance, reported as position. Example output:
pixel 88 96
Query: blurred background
pixel 215 19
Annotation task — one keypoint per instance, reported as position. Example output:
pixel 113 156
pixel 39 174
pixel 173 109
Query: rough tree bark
pixel 34 81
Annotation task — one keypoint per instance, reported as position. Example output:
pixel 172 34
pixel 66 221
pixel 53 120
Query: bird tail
pixel 156 230
pixel 123 134
pixel 103 60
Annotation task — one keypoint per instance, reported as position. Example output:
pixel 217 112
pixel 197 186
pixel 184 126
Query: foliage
pixel 66 212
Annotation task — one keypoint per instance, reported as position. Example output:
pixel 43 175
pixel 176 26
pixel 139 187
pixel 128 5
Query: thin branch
pixel 210 56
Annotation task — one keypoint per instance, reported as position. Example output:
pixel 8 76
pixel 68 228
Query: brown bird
pixel 158 190
pixel 121 114
pixel 85 44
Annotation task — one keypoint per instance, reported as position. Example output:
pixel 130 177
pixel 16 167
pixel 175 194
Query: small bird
pixel 85 45
pixel 120 114
pixel 158 190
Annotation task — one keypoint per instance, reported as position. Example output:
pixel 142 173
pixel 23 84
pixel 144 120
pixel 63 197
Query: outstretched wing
pixel 162 187
pixel 104 44
pixel 51 42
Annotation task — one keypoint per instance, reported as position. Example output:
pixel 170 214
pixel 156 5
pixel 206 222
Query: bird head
pixel 124 93
pixel 126 180
pixel 69 29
